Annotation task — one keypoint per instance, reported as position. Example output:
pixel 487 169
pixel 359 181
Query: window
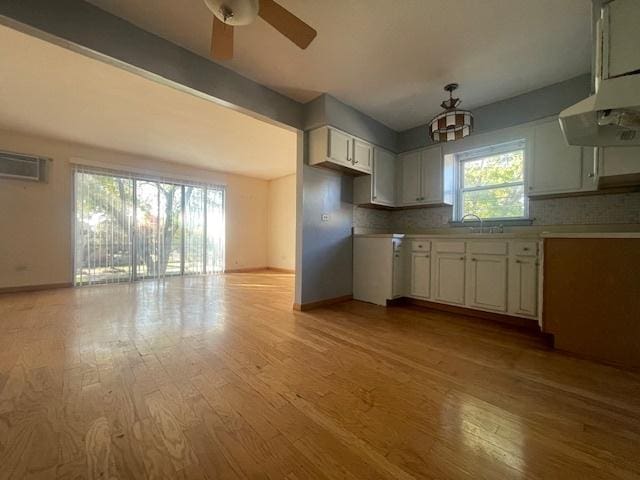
pixel 491 182
pixel 129 227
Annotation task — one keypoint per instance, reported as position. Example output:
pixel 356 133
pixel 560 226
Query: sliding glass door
pixel 129 228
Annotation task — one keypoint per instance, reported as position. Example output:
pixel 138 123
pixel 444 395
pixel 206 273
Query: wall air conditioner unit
pixel 22 167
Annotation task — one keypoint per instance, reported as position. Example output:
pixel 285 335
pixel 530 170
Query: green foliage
pixel 498 202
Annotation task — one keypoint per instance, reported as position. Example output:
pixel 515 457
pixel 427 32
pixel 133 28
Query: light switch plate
pixel 324 217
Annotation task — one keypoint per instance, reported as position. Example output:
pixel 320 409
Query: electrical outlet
pixel 324 217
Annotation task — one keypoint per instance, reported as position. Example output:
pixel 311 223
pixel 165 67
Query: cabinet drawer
pixel 449 247
pixel 488 248
pixel 420 245
pixel 526 249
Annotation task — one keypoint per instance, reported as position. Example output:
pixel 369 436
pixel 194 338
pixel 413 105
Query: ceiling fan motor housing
pixel 234 12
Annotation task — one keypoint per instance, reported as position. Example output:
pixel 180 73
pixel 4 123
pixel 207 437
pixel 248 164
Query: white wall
pixel 35 218
pixel 281 250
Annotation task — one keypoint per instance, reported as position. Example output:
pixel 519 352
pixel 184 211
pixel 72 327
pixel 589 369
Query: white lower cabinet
pixel 420 275
pixel 373 257
pixel 523 285
pixel 487 282
pixel 493 275
pixel 397 286
pixel 448 278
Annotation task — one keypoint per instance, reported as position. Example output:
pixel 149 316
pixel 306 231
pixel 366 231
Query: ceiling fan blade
pixel 287 23
pixel 221 40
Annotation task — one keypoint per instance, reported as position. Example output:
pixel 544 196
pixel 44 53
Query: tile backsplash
pixel 616 208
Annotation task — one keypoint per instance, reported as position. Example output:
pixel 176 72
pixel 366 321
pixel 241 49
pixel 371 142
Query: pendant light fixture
pixel 453 123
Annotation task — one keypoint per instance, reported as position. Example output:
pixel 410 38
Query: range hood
pixel 611 117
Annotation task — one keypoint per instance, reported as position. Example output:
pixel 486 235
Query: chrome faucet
pixel 473 215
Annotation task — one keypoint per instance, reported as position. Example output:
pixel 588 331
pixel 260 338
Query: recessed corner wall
pixel 281 250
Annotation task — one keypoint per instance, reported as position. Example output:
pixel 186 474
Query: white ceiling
pixel 54 92
pixel 391 58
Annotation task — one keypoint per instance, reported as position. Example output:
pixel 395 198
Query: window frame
pixel 481 152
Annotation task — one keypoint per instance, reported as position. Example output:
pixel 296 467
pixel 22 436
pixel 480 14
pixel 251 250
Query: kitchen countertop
pixel 504 236
pixel 591 235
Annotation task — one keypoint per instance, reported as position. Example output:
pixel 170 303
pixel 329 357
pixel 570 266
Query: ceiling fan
pixel 228 14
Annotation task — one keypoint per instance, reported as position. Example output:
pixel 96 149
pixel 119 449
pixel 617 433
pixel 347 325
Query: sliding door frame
pixel 134 234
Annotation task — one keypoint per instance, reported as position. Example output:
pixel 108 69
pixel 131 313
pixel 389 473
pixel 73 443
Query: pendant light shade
pixel 452 123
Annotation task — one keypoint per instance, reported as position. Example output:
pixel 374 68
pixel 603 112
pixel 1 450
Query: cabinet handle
pixel 591 175
pixel 461 258
pixel 526 249
pixel 518 261
pixel 473 260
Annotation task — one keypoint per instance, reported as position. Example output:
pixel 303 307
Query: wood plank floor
pixel 216 377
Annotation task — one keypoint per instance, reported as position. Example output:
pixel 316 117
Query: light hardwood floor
pixel 217 377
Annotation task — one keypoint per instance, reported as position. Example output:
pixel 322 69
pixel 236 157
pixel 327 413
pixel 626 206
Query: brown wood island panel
pixel 592 297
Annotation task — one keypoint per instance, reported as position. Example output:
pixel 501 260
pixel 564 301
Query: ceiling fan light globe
pixel 243 12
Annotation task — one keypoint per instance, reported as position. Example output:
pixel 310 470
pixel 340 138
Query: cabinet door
pixel 362 156
pixel 448 277
pixel 420 275
pixel 555 167
pixel 339 146
pixel 487 282
pixel 619 161
pixel 397 287
pixel 621 53
pixel 523 286
pixel 410 188
pixel 384 177
pixel 432 175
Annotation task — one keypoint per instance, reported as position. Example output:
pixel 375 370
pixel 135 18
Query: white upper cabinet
pixel 618 166
pixel 383 177
pixel 621 34
pixel 554 166
pixel 410 187
pixel 339 147
pixel 362 156
pixel 379 188
pixel 330 147
pixel 424 177
pixel 432 175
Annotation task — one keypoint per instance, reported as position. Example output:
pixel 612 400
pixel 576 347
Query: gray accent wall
pixel 327 110
pixel 534 105
pixel 326 267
